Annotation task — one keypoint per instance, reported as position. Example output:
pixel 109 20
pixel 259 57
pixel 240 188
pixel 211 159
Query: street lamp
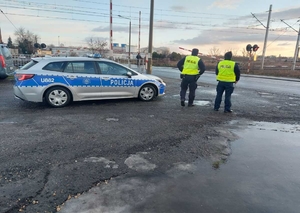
pixel 129 54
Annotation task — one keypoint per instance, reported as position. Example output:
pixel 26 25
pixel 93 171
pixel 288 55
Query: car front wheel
pixel 58 97
pixel 147 93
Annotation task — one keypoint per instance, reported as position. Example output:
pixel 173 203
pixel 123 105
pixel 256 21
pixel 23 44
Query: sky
pixel 220 25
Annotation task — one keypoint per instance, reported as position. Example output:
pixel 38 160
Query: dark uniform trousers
pixel 188 82
pixel 228 88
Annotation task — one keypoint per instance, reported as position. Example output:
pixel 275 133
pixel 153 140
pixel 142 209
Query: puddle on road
pixel 261 175
pixel 202 103
pixel 197 102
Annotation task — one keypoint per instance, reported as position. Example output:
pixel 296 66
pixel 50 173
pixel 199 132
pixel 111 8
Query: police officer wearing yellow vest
pixel 191 68
pixel 228 73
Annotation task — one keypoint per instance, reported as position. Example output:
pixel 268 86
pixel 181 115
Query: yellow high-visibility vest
pixel 190 66
pixel 226 71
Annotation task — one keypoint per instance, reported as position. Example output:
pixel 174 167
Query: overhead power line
pixel 297 44
pixel 175 24
pixel 144 26
pixel 31 3
pixel 53 17
pixel 95 14
pixel 8 19
pixel 64 12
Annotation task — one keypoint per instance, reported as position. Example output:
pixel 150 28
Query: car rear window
pixel 6 52
pixel 28 65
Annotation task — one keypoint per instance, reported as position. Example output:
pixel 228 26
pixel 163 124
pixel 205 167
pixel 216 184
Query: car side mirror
pixel 129 74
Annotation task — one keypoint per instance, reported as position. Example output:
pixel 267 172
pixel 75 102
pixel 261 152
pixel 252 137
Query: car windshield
pixel 28 65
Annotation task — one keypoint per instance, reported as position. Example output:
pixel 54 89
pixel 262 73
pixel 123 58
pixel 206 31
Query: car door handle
pixel 105 78
pixel 71 76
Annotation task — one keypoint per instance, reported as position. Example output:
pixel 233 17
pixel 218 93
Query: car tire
pixel 58 97
pixel 147 93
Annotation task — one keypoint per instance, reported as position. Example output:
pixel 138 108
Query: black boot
pixel 190 104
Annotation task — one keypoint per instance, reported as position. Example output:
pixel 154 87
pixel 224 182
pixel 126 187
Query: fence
pixel 21 60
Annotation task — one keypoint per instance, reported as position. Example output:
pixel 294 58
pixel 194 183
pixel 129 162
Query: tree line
pixel 25 40
pixel 165 54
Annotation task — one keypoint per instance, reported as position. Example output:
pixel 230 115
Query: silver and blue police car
pixel 61 80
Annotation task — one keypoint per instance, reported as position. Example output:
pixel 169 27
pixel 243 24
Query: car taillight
pixel 22 77
pixel 2 61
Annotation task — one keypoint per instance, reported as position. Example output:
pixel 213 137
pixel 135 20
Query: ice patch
pixel 136 162
pixel 112 119
pixel 108 163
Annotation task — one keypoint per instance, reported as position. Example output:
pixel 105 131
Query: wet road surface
pixel 261 175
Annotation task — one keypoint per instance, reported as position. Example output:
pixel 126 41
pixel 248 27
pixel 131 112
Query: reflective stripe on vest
pixel 226 71
pixel 190 66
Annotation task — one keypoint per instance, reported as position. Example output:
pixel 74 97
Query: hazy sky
pixel 225 25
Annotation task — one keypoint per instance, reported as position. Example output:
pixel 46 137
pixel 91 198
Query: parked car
pixel 6 62
pixel 60 80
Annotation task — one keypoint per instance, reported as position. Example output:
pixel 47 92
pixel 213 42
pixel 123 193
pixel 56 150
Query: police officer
pixel 228 74
pixel 138 59
pixel 191 68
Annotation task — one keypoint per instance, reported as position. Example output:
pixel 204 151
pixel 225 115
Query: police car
pixel 60 80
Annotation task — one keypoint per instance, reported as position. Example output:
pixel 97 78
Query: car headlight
pixel 160 81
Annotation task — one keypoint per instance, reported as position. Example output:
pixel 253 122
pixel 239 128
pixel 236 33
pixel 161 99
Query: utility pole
pixel 149 64
pixel 129 43
pixel 297 45
pixel 296 51
pixel 139 45
pixel 266 36
pixel 110 30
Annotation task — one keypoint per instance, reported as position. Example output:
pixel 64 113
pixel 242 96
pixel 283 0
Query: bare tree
pixel 214 51
pixel 244 52
pixel 235 52
pixel 90 43
pixel 36 38
pixel 25 40
pixel 73 54
pixel 96 45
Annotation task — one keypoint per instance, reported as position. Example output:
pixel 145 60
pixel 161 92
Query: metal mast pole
pixel 296 51
pixel 111 31
pixel 266 39
pixel 297 45
pixel 129 42
pixel 139 46
pixel 149 64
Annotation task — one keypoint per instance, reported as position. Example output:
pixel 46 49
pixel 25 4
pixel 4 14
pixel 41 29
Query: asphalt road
pixel 278 85
pixel 46 153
